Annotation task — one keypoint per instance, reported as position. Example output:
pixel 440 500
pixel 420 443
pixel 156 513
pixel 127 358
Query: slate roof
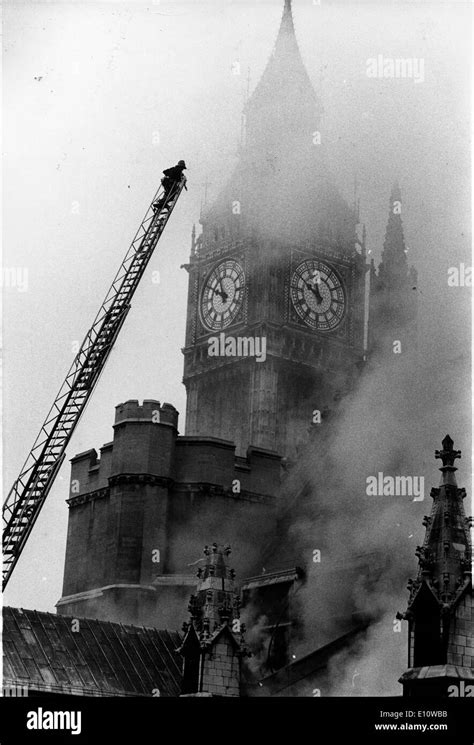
pixel 41 651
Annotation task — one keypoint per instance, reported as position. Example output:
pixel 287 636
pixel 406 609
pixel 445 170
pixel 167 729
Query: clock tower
pixel 276 300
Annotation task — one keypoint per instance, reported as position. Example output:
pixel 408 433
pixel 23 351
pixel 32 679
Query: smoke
pixel 371 666
pixel 358 550
pixel 391 423
pixel 402 408
pixel 257 640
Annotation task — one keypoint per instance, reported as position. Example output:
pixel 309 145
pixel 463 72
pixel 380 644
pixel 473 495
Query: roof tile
pixel 100 658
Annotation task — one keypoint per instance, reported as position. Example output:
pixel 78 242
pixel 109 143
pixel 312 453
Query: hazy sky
pixel 89 89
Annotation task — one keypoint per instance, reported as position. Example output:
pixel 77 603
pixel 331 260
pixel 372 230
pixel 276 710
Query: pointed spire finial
pixel 286 25
pixel 396 194
pixel 448 455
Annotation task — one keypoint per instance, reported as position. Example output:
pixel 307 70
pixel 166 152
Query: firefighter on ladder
pixel 172 176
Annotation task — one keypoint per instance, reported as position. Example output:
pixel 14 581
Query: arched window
pixel 428 643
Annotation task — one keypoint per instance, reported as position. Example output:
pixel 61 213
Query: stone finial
pixel 448 455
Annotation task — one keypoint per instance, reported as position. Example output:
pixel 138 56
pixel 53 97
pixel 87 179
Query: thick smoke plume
pixel 391 423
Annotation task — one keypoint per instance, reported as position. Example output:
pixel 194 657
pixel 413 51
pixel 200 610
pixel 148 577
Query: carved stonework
pixel 90 497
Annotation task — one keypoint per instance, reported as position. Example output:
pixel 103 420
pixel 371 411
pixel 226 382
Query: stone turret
pixel 213 645
pixel 440 610
pixel 139 513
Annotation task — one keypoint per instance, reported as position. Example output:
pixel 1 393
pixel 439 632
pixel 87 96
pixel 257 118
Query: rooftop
pixel 52 653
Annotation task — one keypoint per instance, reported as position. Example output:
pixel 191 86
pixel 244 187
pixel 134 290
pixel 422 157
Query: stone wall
pixel 461 634
pixel 140 515
pixel 221 670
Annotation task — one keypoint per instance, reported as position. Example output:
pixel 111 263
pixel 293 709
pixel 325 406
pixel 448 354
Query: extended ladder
pixel 28 493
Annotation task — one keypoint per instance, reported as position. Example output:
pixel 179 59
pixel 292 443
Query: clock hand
pixel 223 294
pixel 316 291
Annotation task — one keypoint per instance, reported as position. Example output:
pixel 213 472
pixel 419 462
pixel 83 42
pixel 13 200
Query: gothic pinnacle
pixel 448 455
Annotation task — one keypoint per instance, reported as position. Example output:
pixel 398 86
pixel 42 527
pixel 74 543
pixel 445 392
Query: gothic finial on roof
pixel 216 604
pixel 448 455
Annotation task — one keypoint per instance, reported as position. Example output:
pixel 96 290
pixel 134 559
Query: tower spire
pixel 441 625
pixel 393 302
pixel 444 558
pixel 285 79
pixel 448 455
pixel 287 25
pixel 394 266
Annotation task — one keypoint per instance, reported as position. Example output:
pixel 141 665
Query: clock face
pixel 222 295
pixel 317 294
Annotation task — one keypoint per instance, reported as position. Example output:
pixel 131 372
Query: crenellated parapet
pixel 142 454
pixel 150 411
pixel 151 427
pixel 137 512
